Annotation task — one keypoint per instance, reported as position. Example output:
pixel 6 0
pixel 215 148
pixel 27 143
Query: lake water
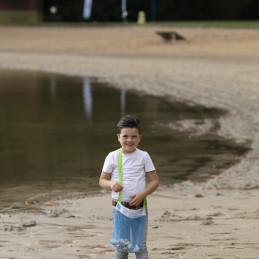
pixel 55 132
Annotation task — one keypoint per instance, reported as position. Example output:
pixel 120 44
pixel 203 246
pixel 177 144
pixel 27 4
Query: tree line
pixel 166 10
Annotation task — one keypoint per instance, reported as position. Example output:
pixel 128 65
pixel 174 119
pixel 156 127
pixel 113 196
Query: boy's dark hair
pixel 129 121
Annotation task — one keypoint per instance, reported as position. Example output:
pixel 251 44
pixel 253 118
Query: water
pixel 55 132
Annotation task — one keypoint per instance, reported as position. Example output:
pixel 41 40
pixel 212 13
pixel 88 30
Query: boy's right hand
pixel 116 186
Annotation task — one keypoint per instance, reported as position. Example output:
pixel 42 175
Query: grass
pixel 233 24
pixel 223 24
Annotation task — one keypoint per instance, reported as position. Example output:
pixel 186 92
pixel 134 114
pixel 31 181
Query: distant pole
pixel 153 11
pixel 124 12
pixel 53 10
pixel 87 9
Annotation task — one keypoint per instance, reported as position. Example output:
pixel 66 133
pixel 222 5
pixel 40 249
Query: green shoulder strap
pixel 120 176
pixel 120 171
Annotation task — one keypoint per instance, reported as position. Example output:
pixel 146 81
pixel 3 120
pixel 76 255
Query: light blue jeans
pixel 144 254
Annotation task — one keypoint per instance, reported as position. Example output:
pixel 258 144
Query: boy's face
pixel 129 139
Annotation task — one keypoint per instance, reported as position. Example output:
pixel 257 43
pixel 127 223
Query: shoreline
pixel 223 210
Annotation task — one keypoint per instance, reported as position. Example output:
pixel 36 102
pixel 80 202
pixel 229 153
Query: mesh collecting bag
pixel 128 228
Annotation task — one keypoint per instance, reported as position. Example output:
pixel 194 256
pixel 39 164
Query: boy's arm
pixel 106 183
pixel 152 186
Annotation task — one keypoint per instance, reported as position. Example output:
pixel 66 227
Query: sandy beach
pixel 217 219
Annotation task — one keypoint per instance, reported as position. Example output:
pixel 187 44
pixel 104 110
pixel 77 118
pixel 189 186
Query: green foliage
pixel 166 10
pixel 68 10
pixel 108 10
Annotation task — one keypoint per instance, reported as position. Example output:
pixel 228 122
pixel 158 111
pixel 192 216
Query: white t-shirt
pixel 134 168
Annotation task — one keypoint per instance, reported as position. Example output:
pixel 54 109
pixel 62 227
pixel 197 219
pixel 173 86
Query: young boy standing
pixel 136 165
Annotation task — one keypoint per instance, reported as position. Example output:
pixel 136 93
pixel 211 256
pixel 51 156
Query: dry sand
pixel 215 68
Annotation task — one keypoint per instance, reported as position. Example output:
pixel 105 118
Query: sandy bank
pixel 217 68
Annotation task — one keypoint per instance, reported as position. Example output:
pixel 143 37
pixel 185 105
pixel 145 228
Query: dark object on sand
pixel 29 224
pixel 170 35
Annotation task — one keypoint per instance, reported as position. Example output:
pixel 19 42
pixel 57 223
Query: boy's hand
pixel 137 199
pixel 116 186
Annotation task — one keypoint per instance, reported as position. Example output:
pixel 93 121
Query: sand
pixel 215 68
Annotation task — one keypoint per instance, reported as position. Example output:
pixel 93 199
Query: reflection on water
pixel 87 96
pixel 88 102
pixel 55 132
pixel 123 102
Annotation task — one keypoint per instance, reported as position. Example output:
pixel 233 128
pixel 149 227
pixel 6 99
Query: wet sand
pixel 215 68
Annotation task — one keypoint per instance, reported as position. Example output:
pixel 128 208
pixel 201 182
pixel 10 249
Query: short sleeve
pixel 149 166
pixel 108 165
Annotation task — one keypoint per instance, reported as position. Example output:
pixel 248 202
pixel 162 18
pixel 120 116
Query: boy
pixel 136 165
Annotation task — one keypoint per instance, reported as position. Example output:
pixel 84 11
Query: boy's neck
pixel 126 152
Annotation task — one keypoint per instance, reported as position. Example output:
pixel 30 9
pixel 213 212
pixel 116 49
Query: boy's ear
pixel 118 135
